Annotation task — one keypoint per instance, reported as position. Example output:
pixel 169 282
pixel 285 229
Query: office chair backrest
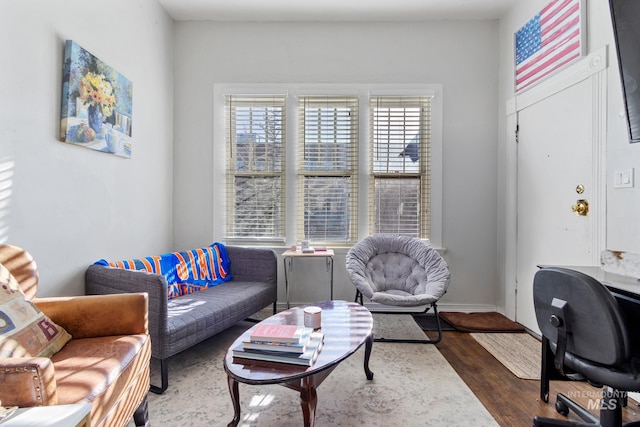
pixel 596 328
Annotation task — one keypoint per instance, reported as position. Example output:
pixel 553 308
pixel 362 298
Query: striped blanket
pixel 186 272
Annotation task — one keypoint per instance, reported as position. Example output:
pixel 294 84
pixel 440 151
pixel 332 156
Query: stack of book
pixel 281 343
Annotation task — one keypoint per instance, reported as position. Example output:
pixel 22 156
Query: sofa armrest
pixel 98 315
pixel 27 381
pixel 250 264
pixel 101 280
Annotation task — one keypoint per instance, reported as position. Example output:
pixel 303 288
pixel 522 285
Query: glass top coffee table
pixel 346 326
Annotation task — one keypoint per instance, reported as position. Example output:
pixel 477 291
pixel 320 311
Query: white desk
pixel 288 257
pixel 77 415
pixel 625 285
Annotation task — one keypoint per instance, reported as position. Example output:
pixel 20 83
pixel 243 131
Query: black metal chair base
pixel 433 305
pixel 610 412
pixel 568 405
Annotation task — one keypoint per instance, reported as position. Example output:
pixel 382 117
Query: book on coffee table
pixel 306 358
pixel 265 332
pixel 278 346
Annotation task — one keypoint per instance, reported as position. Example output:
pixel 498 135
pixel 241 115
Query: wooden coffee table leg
pixel 235 398
pixel 308 401
pixel 367 353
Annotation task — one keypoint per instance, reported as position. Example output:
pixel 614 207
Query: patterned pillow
pixel 186 272
pixel 24 330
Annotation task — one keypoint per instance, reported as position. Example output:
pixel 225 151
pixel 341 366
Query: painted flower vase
pixel 95 118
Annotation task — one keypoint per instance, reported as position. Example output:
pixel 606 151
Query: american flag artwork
pixel 550 40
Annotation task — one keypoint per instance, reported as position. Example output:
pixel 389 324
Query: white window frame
pixel 363 91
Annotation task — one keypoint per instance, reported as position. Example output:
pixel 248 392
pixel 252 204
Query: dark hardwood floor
pixel 512 401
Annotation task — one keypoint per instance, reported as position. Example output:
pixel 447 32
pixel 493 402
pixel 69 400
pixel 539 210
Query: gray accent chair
pixel 399 271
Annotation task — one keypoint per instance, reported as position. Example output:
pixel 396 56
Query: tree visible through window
pixel 255 172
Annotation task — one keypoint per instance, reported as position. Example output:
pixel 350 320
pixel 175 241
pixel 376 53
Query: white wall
pixel 462 56
pixel 70 206
pixel 623 205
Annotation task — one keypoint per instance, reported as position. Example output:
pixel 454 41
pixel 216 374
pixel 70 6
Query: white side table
pixel 288 257
pixel 76 415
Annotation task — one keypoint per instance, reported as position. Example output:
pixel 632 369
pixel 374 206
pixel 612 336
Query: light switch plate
pixel 623 178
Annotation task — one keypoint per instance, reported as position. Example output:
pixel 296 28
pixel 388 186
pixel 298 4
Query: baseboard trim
pixel 464 308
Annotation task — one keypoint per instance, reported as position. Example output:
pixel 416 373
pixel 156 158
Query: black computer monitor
pixel 625 15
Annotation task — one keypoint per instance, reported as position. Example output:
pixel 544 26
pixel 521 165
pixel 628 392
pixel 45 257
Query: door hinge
pixel 517 132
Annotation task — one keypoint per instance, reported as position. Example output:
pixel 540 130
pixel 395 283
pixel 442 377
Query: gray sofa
pixel 179 323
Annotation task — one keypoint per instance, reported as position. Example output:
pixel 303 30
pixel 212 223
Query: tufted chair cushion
pixel 397 270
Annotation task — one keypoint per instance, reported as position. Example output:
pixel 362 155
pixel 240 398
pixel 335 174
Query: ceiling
pixel 334 10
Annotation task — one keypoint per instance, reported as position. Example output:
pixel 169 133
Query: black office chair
pixel 584 334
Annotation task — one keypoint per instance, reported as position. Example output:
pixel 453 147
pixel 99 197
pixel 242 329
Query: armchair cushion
pixel 186 272
pixel 388 271
pixel 101 369
pixel 24 330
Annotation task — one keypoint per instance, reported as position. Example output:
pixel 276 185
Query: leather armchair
pixel 105 363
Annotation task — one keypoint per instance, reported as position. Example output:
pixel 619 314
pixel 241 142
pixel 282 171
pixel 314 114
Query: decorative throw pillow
pixel 24 330
pixel 186 272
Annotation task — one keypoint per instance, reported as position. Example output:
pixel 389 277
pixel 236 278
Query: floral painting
pixel 96 103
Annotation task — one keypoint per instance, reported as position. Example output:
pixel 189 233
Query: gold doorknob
pixel 581 207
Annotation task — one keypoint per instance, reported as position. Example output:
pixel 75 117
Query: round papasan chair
pixel 398 271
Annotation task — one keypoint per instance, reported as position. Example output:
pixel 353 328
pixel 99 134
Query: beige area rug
pixel 413 386
pixel 518 352
pixel 396 326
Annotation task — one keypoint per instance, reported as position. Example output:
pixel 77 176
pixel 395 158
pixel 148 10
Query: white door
pixel 558 164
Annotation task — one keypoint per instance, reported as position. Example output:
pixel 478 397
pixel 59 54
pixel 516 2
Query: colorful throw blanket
pixel 186 272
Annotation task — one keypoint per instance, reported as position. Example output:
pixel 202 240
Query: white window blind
pixel 399 185
pixel 327 169
pixel 255 142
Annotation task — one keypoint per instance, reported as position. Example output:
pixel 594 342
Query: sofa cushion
pixel 186 272
pixel 192 319
pixel 24 330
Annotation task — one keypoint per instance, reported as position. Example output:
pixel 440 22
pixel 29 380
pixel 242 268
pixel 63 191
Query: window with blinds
pixel 255 142
pixel 327 168
pixel 399 165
